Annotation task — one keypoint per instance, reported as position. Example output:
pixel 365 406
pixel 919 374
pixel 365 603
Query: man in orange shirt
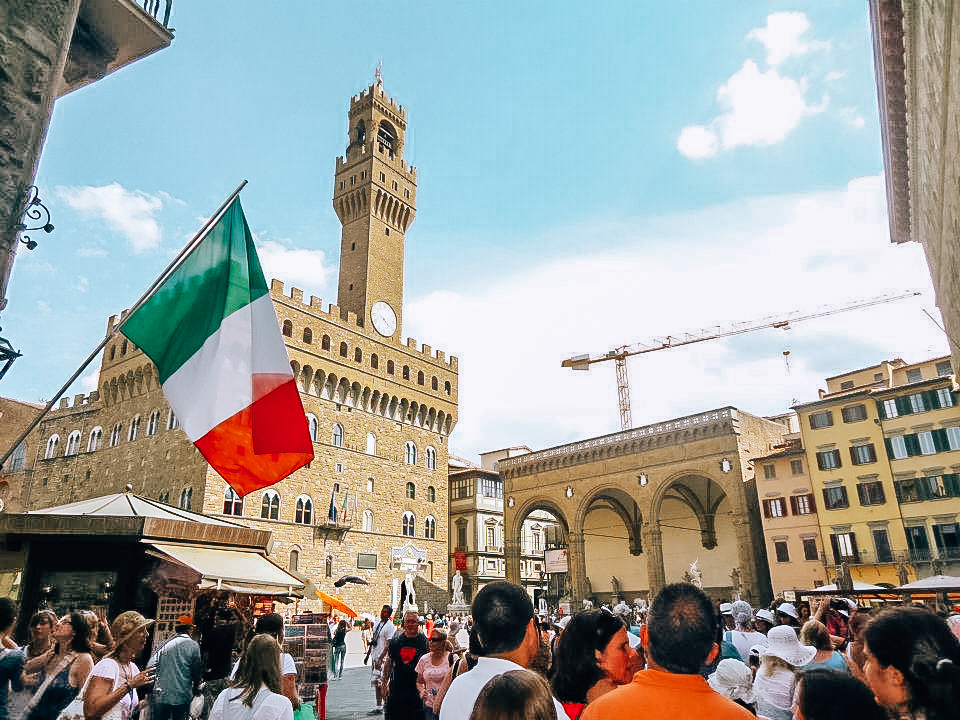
pixel 679 640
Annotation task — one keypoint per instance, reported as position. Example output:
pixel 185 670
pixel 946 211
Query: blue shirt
pixel 178 670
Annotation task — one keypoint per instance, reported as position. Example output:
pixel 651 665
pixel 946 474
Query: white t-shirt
pixel 119 674
pixel 743 640
pixel 267 705
pixel 460 698
pixel 287 666
pixel 383 639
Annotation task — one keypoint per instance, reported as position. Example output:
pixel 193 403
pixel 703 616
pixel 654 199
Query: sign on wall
pixel 555 561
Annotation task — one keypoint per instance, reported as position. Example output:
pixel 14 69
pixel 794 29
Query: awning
pixel 240 571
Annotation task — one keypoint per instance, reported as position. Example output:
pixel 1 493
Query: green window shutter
pixel 889 446
pixel 913 445
pixel 940 443
pixel 903 406
pixel 931 399
pixel 880 411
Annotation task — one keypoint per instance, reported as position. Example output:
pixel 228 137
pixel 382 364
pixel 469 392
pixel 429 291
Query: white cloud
pixel 759 108
pixel 783 36
pixel 82 283
pixel 129 212
pixel 44 307
pixel 87 382
pixel 296 267
pixel 89 251
pixel 731 263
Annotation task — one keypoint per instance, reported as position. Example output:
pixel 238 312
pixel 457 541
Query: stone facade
pixel 372 503
pixel 639 506
pixel 15 416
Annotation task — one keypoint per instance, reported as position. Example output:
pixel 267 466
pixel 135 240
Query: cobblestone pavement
pixel 351 697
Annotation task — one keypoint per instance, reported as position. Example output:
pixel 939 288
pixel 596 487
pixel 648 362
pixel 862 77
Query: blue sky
pixel 588 177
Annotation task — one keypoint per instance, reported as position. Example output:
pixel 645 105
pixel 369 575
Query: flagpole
pixel 174 264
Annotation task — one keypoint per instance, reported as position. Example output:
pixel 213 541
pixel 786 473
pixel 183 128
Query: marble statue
pixel 696 577
pixel 457 585
pixel 409 595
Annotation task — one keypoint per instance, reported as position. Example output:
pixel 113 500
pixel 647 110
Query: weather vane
pixel 378 74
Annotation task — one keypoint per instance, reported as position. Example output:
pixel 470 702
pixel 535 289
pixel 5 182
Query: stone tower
pixel 375 197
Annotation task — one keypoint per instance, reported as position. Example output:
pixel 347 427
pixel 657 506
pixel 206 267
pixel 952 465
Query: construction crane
pixel 780 322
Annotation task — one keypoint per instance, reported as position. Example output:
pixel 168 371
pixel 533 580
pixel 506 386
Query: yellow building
pixel 883 459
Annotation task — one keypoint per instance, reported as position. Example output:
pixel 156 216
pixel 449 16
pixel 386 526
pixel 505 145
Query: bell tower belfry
pixel 375 197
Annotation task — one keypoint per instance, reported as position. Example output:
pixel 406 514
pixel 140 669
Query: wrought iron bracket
pixel 35 216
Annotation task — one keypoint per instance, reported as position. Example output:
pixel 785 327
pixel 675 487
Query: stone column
pixel 653 547
pixel 576 569
pixel 511 557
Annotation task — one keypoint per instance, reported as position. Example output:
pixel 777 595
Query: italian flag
pixel 212 331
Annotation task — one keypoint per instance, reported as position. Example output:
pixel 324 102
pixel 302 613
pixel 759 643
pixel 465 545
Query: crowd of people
pixel 681 657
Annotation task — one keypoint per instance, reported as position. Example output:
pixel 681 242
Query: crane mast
pixel 780 322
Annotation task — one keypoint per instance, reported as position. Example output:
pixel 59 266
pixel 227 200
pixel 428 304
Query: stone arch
pixel 355 391
pixel 703 495
pixel 316 385
pixel 330 387
pixel 620 502
pixel 305 378
pixel 343 389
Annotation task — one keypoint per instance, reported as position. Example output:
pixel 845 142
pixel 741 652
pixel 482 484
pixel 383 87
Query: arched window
pixel 232 503
pixel 113 352
pixel 434 383
pixel 325 342
pixel 134 430
pixel 270 505
pixel 371 444
pixel 430 528
pixel 431 493
pixel 410 453
pixel 368 521
pixel 358 355
pixel 386 137
pixel 411 491
pixel 73 444
pixel 406 372
pixel 287 328
pixel 446 387
pixel 343 349
pixel 307 335
pixel 304 513
pixel 294 563
pixel 186 498
pixel 328 566
pixel 123 348
pixel 153 423
pixel 389 367
pixel 314 425
pixel 369 484
pixel 431 458
pixel 19 458
pixel 361 133
pixel 374 361
pixel 95 439
pixel 115 435
pixel 420 378
pixel 409 524
pixel 51 447
pixel 173 421
pixel 336 437
pixel 164 496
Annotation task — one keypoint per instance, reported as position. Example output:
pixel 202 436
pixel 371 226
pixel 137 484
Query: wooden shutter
pixel 835 546
pixel 793 505
pixel 913 444
pixel 853 545
pixel 766 508
pixel 881 412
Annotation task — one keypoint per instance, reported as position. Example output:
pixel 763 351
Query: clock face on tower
pixel 384 318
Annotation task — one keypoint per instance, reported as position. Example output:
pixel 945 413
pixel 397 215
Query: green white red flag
pixel 212 331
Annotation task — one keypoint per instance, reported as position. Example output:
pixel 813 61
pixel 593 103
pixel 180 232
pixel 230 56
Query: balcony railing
pixel 152 8
pixel 918 555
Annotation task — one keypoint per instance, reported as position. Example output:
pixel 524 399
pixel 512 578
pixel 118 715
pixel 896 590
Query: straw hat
pixel 767 616
pixel 125 625
pixel 734 680
pixel 782 643
pixel 788 609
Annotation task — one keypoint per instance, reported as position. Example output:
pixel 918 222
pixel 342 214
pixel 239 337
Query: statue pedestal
pixel 458 609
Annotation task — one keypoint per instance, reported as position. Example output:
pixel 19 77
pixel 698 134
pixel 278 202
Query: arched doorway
pixel 538 535
pixel 614 564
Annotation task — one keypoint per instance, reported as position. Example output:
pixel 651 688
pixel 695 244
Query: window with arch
pixel 446 387
pixel 434 383
pixel 115 435
pixel 358 355
pixel 287 328
pixel 430 528
pixel 328 566
pixel 134 432
pixel 406 372
pixel 368 520
pixel 389 367
pixel 410 453
pixel 314 426
pixel 51 449
pixel 371 444
pixel 186 498
pixel 431 457
pixel 431 493
pixel 304 511
pixel 294 564
pixel 411 491
pixel 123 348
pixel 19 457
pixel 113 352
pixel 369 484
pixel 270 505
pixel 420 378
pixel 73 444
pixel 232 503
pixel 153 423
pixel 173 422
pixel 95 441
pixel 336 437
pixel 325 342
pixel 343 349
pixel 409 524
pixel 374 361
pixel 164 496
pixel 307 335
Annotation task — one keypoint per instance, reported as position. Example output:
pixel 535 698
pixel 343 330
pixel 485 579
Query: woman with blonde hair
pixel 776 679
pixel 255 694
pixel 112 692
pixel 814 633
pixel 515 695
pixel 61 671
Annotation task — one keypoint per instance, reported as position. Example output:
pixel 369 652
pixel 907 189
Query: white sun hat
pixel 782 642
pixel 733 679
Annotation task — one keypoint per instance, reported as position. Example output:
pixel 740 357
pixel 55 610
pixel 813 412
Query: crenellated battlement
pixel 80 402
pixel 351 322
pixel 409 172
pixel 375 94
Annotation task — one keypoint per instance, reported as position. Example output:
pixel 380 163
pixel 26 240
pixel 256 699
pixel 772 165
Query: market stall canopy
pixel 240 571
pixel 127 504
pixel 936 583
pixel 336 603
pixel 858 587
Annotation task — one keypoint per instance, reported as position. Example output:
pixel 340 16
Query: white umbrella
pixel 857 587
pixel 936 583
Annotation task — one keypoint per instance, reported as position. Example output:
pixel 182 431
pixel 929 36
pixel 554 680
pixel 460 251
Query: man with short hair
pixel 504 636
pixel 178 673
pixel 399 682
pixel 377 653
pixel 679 640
